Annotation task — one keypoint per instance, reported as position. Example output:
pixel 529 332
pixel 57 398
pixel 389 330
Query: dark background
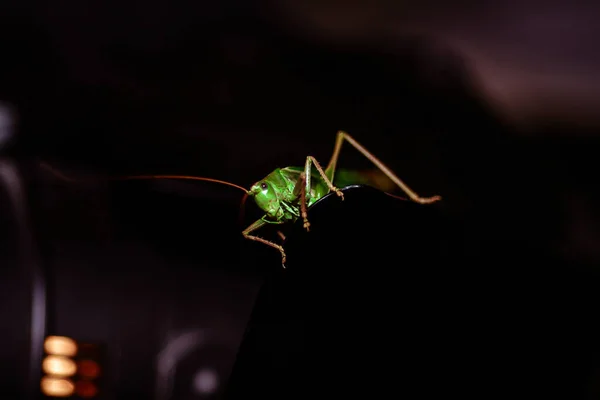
pixel 490 105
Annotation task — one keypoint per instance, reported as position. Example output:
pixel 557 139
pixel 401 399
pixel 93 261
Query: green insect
pixel 286 194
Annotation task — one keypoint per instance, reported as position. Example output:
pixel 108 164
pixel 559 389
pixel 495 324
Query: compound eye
pixel 263 185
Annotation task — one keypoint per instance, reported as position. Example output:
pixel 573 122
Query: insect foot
pixel 306 225
pixel 305 218
pixel 428 200
pixel 339 193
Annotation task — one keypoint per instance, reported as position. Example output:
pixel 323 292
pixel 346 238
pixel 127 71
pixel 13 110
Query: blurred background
pixel 491 104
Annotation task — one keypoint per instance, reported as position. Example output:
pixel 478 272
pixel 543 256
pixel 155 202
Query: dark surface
pixel 380 298
pixel 360 306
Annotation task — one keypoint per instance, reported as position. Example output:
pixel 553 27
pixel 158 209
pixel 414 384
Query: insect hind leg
pixel 341 136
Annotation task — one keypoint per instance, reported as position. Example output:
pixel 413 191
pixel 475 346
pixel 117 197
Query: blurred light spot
pixel 6 123
pixel 206 381
pixel 86 389
pixel 59 366
pixel 60 346
pixel 57 387
pixel 167 359
pixel 88 368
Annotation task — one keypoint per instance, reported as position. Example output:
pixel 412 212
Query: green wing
pixel 374 178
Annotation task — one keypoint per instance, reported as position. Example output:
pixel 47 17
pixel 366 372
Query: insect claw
pixel 283 258
pixel 339 193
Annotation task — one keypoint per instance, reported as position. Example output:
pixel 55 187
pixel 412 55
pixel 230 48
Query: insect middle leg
pixel 330 170
pixel 300 190
pixel 281 236
pixel 257 225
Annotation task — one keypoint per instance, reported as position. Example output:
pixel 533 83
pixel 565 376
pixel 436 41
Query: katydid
pixel 286 194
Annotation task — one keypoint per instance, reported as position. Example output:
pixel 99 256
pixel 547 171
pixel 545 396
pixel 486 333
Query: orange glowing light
pixel 59 366
pixel 57 387
pixel 60 346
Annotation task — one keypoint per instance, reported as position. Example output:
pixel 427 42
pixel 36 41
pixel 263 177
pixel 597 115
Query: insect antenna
pixel 243 208
pixel 180 177
pixel 62 176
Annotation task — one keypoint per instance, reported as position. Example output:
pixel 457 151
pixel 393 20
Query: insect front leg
pixel 257 225
pixel 330 170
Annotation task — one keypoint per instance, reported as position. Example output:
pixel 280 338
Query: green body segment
pixel 278 194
